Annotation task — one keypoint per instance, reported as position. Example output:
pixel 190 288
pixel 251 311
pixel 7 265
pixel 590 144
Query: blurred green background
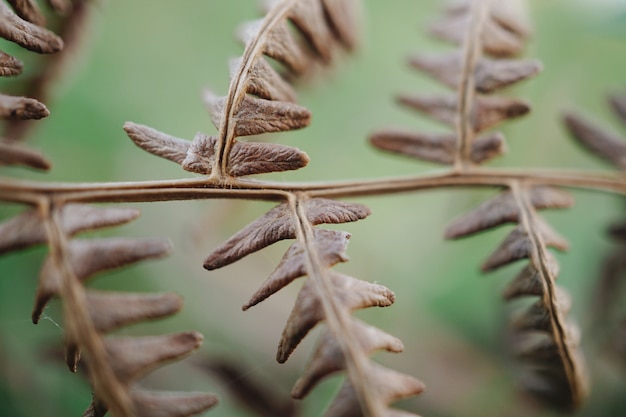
pixel 147 61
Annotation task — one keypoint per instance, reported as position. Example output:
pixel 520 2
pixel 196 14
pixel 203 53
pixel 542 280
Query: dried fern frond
pixel 325 296
pixel 609 292
pixel 479 27
pixel 260 99
pixel 114 363
pixel 542 336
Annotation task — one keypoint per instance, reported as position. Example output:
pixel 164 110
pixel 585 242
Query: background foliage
pixel 147 61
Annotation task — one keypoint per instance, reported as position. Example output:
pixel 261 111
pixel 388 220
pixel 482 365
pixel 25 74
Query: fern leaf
pixel 9 65
pixel 350 293
pixel 12 154
pixel 332 246
pixel 277 224
pixel 27 35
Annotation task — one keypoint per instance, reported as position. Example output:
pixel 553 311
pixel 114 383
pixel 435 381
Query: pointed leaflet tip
pixel 331 246
pixel 132 357
pixel 111 310
pixel 277 224
pixel 12 154
pixel 157 143
pixel 350 293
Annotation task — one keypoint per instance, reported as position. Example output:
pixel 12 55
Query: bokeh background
pixel 147 62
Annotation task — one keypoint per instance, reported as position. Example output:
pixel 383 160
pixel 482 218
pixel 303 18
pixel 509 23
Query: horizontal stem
pixel 202 188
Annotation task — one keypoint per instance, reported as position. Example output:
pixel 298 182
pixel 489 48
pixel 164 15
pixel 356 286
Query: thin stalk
pixel 337 319
pixel 79 327
pixel 237 89
pixel 472 50
pixel 197 188
pixel 539 259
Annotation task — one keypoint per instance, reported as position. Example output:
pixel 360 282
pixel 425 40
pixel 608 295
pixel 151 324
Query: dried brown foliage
pixel 300 36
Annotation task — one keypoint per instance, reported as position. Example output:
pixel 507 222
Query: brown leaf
pixel 604 144
pixel 21 108
pixel 331 246
pixel 503 209
pixel 27 229
pixel 489 111
pixel 551 386
pixel 200 154
pixel 490 75
pixel 537 346
pixel 496 40
pixel 265 82
pixel 248 158
pixel 487 147
pixel 350 293
pixel 537 317
pixel 171 404
pixel 13 154
pixel 256 116
pixel 111 310
pixel 88 257
pixel 28 10
pixel 343 17
pixel 308 17
pixel 436 147
pixel 282 47
pixel 132 357
pixel 277 224
pixel 518 245
pixel 530 281
pixel 329 358
pixel 27 35
pixel 157 143
pixel 433 147
pixel 9 65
